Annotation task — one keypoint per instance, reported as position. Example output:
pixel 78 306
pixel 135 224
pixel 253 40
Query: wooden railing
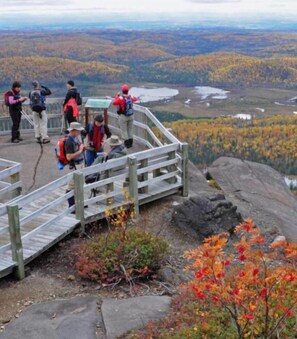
pixel 146 176
pixel 10 184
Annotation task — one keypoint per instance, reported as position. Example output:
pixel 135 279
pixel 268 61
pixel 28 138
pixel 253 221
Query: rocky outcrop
pixel 207 214
pixel 75 318
pixel 259 192
pixel 122 316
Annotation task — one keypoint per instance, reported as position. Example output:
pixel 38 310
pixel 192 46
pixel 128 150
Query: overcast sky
pixel 53 7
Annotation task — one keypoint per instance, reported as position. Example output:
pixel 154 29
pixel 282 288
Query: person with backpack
pixel 74 153
pixel 38 105
pixel 97 133
pixel 124 101
pixel 14 100
pixel 71 103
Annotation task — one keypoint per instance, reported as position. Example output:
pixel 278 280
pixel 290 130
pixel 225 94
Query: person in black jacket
pixel 72 93
pixel 15 110
pixel 38 106
pixel 97 133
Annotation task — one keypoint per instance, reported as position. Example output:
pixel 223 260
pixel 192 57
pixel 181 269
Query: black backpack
pixel 37 101
pixel 78 99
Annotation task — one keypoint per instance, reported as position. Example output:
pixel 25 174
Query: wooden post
pixel 87 111
pixel 133 184
pixel 109 187
pixel 13 179
pixel 105 114
pixel 79 182
pixel 185 174
pixel 144 176
pixel 16 240
pixel 171 168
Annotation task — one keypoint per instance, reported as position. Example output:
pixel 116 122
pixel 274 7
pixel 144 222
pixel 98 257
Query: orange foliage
pixel 256 284
pixel 272 140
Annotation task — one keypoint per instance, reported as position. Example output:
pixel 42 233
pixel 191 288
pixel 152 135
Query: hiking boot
pixel 38 140
pixel 20 139
pixel 130 142
pixel 15 141
pixel 46 141
pixel 127 143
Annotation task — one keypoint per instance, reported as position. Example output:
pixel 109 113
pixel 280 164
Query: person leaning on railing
pixel 124 101
pixel 116 150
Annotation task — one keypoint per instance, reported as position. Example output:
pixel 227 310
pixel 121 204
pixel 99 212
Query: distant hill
pixel 186 57
pixel 56 70
pixel 229 70
pixel 83 47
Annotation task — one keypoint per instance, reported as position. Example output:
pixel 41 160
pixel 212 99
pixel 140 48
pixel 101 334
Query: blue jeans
pixel 90 157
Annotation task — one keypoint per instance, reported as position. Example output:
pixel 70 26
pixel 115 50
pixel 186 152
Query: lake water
pixel 153 94
pixel 211 92
pixel 291 182
pixel 243 116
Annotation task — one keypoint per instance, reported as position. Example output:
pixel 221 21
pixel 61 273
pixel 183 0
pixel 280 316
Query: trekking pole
pixel 62 124
pixel 27 117
pixel 84 154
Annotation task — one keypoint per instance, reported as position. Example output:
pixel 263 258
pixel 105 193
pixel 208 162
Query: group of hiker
pixel 71 150
pixel 37 97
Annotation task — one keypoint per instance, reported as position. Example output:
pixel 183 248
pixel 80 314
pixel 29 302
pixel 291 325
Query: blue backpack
pixel 128 106
pixel 37 101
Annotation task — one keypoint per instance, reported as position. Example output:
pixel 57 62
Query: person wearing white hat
pixel 74 151
pixel 117 150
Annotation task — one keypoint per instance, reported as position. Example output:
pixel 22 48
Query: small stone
pixel 71 277
pixel 279 238
pixel 17 315
pixel 5 321
pixel 28 303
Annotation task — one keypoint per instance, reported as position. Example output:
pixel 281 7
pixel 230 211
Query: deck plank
pixel 40 241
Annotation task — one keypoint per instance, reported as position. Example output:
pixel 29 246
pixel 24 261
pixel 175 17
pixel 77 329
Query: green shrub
pixel 112 257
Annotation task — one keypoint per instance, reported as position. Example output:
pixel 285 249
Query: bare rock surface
pixel 74 318
pixel 122 316
pixel 260 193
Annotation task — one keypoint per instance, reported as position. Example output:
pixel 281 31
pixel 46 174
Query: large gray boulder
pixel 76 318
pixel 122 316
pixel 259 192
pixel 207 214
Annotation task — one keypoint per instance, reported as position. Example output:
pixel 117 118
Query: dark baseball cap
pixel 99 118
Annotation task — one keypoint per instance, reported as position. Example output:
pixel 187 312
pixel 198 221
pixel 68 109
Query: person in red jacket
pixel 124 101
pixel 71 103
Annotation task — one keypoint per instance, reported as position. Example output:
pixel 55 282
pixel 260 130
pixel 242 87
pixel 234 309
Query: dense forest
pixel 271 141
pixel 188 57
pixel 224 69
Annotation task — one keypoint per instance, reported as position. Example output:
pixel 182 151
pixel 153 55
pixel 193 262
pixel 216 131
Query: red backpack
pixel 7 94
pixel 60 151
